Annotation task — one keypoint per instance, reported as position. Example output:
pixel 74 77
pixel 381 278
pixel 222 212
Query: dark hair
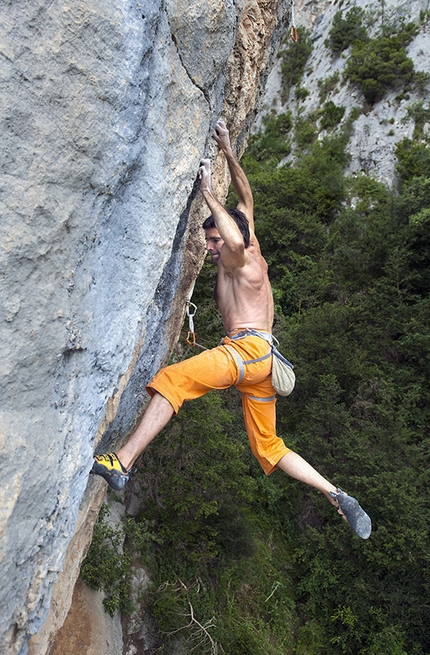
pixel 240 220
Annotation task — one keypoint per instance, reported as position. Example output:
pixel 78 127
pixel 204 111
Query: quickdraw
pixel 191 309
pixel 191 333
pixel 294 36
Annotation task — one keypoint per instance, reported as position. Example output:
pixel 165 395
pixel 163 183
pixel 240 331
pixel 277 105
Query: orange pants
pixel 231 364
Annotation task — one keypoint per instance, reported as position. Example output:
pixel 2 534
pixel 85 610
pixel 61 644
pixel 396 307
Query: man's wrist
pixel 228 151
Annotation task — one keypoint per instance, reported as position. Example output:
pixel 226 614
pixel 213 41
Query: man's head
pixel 240 220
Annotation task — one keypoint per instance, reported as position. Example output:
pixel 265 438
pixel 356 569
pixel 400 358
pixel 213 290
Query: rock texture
pixel 106 109
pixel 87 628
pixel 377 130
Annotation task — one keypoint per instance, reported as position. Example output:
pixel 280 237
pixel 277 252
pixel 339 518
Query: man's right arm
pixel 238 177
pixel 234 254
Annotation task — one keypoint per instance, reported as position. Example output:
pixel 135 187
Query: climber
pixel 244 359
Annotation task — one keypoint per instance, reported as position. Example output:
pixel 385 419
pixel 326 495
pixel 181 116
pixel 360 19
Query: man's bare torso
pixel 244 295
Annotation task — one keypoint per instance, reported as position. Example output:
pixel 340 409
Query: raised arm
pixel 238 177
pixel 233 251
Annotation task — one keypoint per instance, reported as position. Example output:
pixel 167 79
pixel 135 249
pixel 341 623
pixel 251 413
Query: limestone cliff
pixel 377 128
pixel 106 109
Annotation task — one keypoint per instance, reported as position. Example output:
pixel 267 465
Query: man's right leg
pixel 157 415
pixel 186 380
pixel 115 467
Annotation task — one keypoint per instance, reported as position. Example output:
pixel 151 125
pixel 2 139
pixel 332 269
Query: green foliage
pixel 294 59
pixel 331 115
pixel 107 566
pixel 238 608
pixel 191 504
pixel 272 143
pixel 301 93
pixel 421 83
pixel 352 288
pixel 305 131
pixel 328 85
pixel 413 159
pixel 346 30
pixel 420 115
pixel 381 64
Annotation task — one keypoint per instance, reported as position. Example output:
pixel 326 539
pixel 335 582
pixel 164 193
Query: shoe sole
pixel 115 479
pixel 357 518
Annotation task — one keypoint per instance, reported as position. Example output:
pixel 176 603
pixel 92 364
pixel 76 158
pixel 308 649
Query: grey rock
pixel 106 108
pixel 374 134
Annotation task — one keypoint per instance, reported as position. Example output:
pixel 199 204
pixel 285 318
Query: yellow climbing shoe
pixel 111 469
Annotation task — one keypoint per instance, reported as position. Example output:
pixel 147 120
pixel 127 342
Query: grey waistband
pixel 250 332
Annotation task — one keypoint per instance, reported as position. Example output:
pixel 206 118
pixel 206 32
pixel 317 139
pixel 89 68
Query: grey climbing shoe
pixel 355 515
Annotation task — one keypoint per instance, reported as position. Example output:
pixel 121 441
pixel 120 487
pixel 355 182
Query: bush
pixel 106 567
pixel 301 93
pixel 420 115
pixel 294 59
pixel 272 143
pixel 381 64
pixel 327 85
pixel 413 159
pixel 331 115
pixel 346 30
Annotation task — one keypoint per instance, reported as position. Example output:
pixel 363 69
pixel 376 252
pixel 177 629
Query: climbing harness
pixel 239 361
pixel 283 377
pixel 294 36
pixel 191 309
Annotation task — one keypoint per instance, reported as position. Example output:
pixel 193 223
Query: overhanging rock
pixel 107 108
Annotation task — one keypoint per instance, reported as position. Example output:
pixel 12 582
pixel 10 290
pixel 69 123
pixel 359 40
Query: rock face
pixel 377 129
pixel 106 109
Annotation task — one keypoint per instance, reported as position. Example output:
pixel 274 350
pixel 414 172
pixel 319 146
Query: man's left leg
pixel 260 421
pixel 298 468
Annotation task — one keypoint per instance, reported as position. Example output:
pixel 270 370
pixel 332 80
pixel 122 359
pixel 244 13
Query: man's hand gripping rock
pixel 205 176
pixel 222 136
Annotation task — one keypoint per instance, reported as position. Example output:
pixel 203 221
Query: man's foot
pixel 355 515
pixel 111 469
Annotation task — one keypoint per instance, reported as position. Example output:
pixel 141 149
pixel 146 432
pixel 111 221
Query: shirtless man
pixel 244 297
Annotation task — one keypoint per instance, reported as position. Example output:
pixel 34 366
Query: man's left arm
pixel 238 178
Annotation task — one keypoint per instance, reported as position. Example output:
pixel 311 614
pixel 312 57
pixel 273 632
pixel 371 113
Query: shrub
pixel 294 59
pixel 305 132
pixel 106 567
pixel 420 115
pixel 413 159
pixel 301 93
pixel 346 30
pixel 272 143
pixel 331 115
pixel 381 64
pixel 327 85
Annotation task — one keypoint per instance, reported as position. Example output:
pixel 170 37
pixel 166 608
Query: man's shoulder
pixel 254 251
pixel 254 243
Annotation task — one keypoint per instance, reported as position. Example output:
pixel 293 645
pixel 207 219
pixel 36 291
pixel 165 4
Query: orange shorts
pixel 231 364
